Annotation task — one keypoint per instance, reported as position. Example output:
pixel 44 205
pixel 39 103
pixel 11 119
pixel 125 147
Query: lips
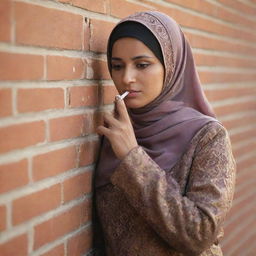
pixel 133 93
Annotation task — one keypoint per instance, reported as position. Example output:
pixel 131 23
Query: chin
pixel 134 106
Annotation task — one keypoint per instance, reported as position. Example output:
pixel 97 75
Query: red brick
pixel 30 100
pixel 201 23
pixel 54 162
pixel 21 135
pixel 13 175
pixel 60 225
pixel 100 70
pixel 213 10
pixel 243 135
pixel 5 20
pixel 100 31
pixel 249 162
pixel 242 190
pixel 236 107
pixel 234 123
pixel 219 77
pixel 239 233
pixel 243 176
pixel 2 218
pixel 71 126
pixel 77 186
pixel 88 153
pixel 65 68
pixel 204 42
pixel 15 246
pixel 214 95
pixel 211 60
pixel 100 6
pixel 242 203
pixel 98 118
pixel 56 251
pixel 83 96
pixel 248 243
pixel 21 66
pixel 40 26
pixel 35 204
pixel 109 93
pixel 5 102
pixel 234 18
pixel 240 6
pixel 87 34
pixel 124 8
pixel 80 243
pixel 229 229
pixel 244 150
pixel 95 6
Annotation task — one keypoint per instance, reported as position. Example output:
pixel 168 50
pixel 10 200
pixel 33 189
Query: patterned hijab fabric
pixel 164 127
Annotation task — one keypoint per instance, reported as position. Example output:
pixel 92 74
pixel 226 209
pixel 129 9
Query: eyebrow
pixel 134 58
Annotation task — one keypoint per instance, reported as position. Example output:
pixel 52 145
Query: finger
pixel 122 110
pixel 102 130
pixel 110 120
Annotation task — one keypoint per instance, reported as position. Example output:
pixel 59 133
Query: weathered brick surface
pixel 54 88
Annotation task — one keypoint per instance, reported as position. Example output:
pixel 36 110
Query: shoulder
pixel 211 133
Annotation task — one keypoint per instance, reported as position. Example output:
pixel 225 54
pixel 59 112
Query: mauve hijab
pixel 164 127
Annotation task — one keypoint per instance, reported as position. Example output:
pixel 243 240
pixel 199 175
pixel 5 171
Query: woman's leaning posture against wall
pixel 165 177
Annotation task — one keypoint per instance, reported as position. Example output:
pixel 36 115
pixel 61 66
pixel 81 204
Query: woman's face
pixel 136 69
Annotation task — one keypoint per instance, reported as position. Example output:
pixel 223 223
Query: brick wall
pixel 54 79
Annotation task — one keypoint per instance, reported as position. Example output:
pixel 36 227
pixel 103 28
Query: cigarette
pixel 121 97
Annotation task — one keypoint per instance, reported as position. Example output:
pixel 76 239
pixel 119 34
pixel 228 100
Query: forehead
pixel 129 46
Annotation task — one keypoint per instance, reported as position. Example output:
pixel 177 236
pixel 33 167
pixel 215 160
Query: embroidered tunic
pixel 146 211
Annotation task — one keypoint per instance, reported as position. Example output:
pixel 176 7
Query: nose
pixel 129 75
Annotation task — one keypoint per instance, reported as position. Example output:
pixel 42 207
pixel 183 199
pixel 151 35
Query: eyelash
pixel 139 66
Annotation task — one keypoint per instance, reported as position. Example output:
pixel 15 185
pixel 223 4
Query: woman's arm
pixel 190 222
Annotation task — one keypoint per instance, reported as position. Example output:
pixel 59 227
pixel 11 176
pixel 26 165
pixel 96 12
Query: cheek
pixel 117 81
pixel 156 79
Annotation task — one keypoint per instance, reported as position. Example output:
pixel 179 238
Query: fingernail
pixel 118 97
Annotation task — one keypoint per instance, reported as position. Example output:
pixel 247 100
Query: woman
pixel 165 177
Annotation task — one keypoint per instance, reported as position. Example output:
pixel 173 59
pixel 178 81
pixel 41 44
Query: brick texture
pixel 2 217
pixel 57 28
pixel 58 250
pixel 21 67
pixel 71 127
pixel 42 201
pixel 13 175
pixel 80 244
pixel 99 35
pixel 83 96
pixel 21 135
pixel 77 186
pixel 63 68
pixel 31 100
pixel 15 246
pixel 5 21
pixel 100 6
pixel 100 70
pixel 55 87
pixel 61 160
pixel 5 102
pixel 61 224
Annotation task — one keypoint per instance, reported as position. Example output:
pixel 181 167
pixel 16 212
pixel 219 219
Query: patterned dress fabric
pixel 146 211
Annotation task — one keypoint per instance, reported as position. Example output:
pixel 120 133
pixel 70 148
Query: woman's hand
pixel 119 130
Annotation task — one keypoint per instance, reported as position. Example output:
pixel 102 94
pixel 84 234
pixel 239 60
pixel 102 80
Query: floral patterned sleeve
pixel 188 220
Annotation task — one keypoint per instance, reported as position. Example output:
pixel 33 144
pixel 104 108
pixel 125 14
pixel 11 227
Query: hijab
pixel 164 127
